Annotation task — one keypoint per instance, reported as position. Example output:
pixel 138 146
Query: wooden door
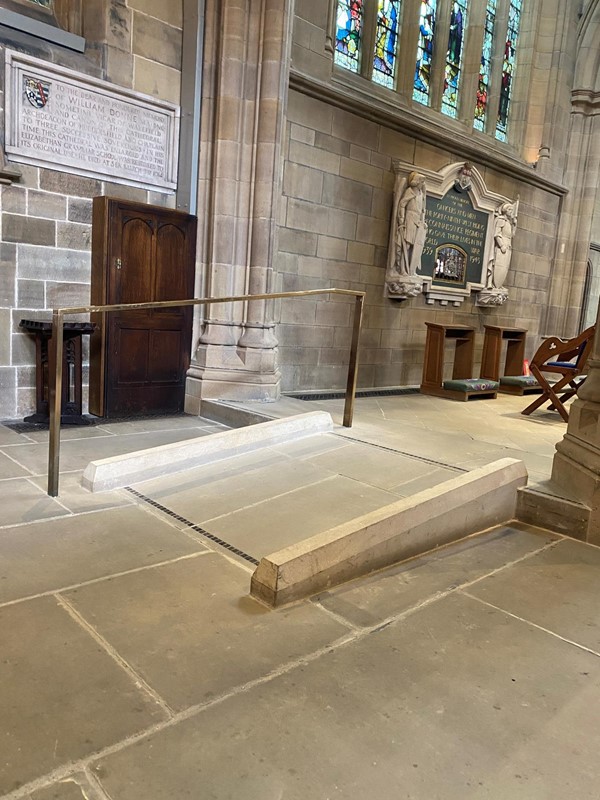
pixel 139 359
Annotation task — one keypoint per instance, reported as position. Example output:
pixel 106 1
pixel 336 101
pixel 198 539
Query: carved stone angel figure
pixel 505 226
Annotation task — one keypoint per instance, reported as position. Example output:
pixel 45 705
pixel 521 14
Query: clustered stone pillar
pixel 245 87
pixel 576 466
pixel 575 227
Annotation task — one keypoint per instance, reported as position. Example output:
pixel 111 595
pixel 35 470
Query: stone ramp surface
pixel 450 511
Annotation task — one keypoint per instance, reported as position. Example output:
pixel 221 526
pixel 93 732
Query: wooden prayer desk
pixel 462 386
pixel 511 379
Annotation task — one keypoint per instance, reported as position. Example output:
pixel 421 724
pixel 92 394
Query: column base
pixel 231 373
pixel 576 465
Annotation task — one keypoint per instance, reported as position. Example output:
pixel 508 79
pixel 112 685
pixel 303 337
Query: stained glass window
pixel 386 40
pixel 483 86
pixel 348 34
pixel 458 25
pixel 508 67
pixel 425 51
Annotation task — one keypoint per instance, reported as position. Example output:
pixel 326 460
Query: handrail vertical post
pixel 353 363
pixel 55 379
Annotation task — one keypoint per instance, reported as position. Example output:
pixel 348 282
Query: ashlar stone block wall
pixel 337 201
pixel 336 209
pixel 46 216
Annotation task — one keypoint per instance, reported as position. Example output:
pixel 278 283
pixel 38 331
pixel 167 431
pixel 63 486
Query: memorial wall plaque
pixel 60 119
pixel 455 245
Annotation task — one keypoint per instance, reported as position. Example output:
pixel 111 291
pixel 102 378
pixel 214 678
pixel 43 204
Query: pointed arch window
pixel 485 69
pixel 454 58
pixel 374 38
pixel 386 42
pixel 508 68
pixel 422 82
pixel 348 35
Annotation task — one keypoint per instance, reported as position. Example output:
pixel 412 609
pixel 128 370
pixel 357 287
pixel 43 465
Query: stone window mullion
pixel 407 53
pixel 471 62
pixel 440 49
pixel 368 42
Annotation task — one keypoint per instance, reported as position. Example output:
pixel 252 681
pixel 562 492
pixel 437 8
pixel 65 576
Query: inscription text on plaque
pixel 65 120
pixel 455 244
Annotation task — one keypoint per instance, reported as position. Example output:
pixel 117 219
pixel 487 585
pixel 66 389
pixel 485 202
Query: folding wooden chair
pixel 565 358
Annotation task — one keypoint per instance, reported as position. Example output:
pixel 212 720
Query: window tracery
pixel 454 58
pixel 369 35
pixel 485 69
pixel 349 19
pixel 386 42
pixel 508 68
pixel 425 44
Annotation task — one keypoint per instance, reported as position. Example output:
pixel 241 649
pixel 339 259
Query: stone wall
pixel 337 200
pixel 46 215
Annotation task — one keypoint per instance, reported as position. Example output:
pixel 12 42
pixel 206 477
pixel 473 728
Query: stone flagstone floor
pixel 135 666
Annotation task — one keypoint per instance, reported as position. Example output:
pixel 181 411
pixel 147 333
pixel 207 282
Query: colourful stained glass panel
pixel 348 34
pixel 483 87
pixel 508 68
pixel 386 42
pixel 425 51
pixel 458 25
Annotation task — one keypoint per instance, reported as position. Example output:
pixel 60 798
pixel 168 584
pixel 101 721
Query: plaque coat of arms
pixel 36 91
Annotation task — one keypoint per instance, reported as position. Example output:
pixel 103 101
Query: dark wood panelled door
pixel 139 358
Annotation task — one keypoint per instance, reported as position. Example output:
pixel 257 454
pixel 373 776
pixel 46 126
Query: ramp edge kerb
pixel 358 547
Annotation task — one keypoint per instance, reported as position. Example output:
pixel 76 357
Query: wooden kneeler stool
pixel 564 358
pixel 511 381
pixel 463 385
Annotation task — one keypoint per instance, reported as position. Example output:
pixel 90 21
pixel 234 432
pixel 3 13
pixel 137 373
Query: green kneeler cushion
pixel 472 385
pixel 525 381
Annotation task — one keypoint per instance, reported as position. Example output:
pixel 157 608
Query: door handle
pixel 118 263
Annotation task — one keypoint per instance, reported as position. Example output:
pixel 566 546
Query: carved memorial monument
pixel 449 236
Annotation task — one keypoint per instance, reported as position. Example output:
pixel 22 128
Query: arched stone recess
pixel 462 180
pixel 244 91
pixel 582 177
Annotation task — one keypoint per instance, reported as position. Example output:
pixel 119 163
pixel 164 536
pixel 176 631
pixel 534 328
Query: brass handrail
pixel 55 345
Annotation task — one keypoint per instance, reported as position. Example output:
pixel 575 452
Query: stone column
pixel 582 171
pixel 245 89
pixel 576 466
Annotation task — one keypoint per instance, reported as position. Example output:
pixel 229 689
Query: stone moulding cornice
pixel 358 101
pixel 585 101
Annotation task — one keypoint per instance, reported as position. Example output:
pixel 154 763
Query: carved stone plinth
pixel 576 466
pixel 403 287
pixel 492 297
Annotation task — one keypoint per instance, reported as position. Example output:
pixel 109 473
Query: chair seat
pixel 561 364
